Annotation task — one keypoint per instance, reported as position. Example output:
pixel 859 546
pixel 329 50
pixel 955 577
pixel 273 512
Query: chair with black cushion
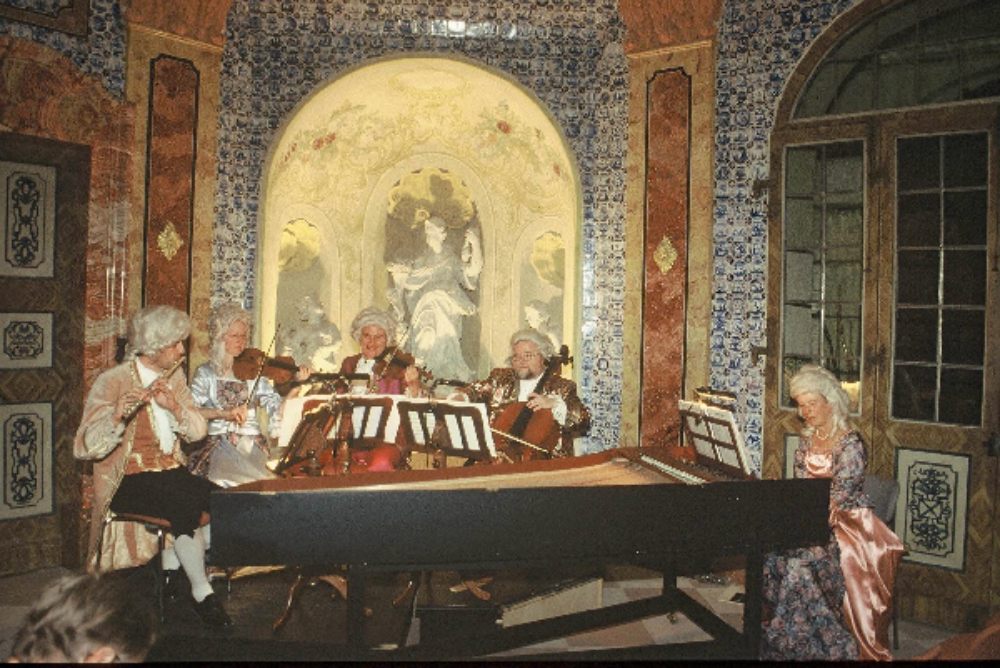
pixel 157 525
pixel 883 493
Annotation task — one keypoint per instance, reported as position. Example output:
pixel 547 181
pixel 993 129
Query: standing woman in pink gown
pixel 831 601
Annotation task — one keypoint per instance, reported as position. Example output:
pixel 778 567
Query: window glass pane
pixel 962 337
pixel 965 218
pixel 918 160
pixel 965 277
pixel 919 220
pixel 842 337
pixel 965 160
pixel 803 223
pixel 939 75
pixel 802 171
pixel 913 392
pixel 917 277
pixel 897 85
pixel 844 222
pixel 843 281
pixel 961 399
pixel 982 63
pixel 803 277
pixel 801 332
pixel 844 173
pixel 824 246
pixel 916 335
pixel 915 52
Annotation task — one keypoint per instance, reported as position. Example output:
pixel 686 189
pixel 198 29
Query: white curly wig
pixel 813 379
pixel 156 327
pixel 373 316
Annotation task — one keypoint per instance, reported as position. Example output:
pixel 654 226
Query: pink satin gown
pixel 869 554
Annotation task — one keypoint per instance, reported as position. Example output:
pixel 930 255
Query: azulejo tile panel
pixel 759 44
pixel 101 52
pixel 569 54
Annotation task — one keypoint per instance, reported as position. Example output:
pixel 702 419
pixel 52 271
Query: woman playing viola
pixel 235 451
pixel 831 601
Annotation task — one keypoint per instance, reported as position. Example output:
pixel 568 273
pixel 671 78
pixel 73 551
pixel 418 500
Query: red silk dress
pixel 869 550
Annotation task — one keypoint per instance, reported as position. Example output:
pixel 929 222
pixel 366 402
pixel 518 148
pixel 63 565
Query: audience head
pixel 374 330
pixel 156 327
pixel 87 619
pixel 812 379
pixel 230 328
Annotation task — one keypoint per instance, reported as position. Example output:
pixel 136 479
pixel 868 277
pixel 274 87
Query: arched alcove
pixel 372 154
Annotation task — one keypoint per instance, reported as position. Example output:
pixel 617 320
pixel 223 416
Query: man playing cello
pixel 528 383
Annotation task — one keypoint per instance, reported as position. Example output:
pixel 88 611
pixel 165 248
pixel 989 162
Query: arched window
pixel 913 54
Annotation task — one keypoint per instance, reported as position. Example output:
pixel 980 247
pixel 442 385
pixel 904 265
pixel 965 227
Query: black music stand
pixel 369 415
pixel 311 435
pixel 717 441
pixel 456 428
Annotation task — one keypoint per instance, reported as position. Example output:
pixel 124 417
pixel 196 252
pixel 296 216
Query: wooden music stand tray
pixel 717 441
pixel 455 428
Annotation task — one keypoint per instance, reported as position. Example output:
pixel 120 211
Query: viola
pixel 519 428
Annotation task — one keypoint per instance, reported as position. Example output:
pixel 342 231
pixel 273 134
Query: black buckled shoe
pixel 211 612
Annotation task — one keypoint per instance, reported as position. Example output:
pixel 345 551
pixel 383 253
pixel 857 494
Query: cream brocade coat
pixel 125 544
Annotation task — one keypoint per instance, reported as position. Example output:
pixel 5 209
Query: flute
pixel 132 410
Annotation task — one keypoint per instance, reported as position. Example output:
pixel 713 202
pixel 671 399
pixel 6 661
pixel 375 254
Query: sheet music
pixel 712 431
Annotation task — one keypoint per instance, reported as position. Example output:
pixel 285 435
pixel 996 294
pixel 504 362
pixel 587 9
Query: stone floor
pixel 255 602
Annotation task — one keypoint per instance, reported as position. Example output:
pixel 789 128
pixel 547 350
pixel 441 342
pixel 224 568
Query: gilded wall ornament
pixel 168 241
pixel 665 255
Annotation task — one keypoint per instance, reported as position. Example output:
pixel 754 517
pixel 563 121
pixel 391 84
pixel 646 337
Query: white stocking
pixel 169 559
pixel 191 554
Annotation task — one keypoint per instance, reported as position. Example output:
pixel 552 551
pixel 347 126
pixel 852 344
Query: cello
pixel 522 430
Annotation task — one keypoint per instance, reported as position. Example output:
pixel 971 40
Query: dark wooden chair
pixel 157 525
pixel 883 493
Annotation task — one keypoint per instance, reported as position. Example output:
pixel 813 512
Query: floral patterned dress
pixel 832 601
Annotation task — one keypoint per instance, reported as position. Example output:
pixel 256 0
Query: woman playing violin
pixel 235 450
pixel 390 370
pixel 530 354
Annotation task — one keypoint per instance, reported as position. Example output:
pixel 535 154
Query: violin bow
pixel 260 367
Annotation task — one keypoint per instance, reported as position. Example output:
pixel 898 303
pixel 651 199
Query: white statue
pixel 312 340
pixel 431 300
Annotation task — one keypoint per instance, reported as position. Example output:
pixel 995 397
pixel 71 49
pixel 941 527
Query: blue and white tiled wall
pixel 570 54
pixel 759 44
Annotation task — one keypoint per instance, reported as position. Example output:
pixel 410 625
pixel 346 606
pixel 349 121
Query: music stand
pixel 717 441
pixel 369 416
pixel 319 417
pixel 457 428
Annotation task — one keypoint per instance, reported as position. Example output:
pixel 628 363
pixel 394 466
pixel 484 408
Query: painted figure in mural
pixel 134 419
pixel 831 601
pixel 530 354
pixel 313 340
pixel 536 315
pixel 235 450
pixel 431 297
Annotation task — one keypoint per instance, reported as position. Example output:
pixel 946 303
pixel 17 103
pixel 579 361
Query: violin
pixel 253 363
pixel 518 427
